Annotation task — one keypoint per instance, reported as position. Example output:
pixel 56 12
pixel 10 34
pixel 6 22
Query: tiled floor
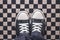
pixel 10 8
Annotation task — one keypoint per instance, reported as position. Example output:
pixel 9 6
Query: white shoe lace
pixel 23 27
pixel 36 27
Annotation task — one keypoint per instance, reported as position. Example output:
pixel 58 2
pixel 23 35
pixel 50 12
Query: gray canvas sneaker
pixel 38 25
pixel 22 26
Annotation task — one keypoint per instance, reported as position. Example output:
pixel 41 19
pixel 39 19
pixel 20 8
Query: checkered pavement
pixel 10 8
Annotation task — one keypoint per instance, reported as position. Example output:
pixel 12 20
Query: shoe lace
pixel 36 27
pixel 23 27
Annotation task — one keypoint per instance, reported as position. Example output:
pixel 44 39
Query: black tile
pixel 22 9
pixel 48 10
pixel 57 1
pixel 53 15
pixel 13 36
pixel 5 28
pixel 57 36
pixel 1 39
pixel 1 32
pixel 57 10
pixel 17 5
pixel 1 23
pixel 39 1
pixel 30 1
pixel 9 15
pixel 22 1
pixel 48 19
pixel 45 15
pixel 13 10
pixel 30 10
pixel 48 36
pixel 4 1
pixel 57 19
pixel 57 28
pixel 48 1
pixel 13 19
pixel 9 32
pixel 13 28
pixel 52 32
pixel 26 5
pixel 1 14
pixel 9 23
pixel 4 19
pixel 5 36
pixel 45 32
pixel 40 9
pixel 35 6
pixel 52 23
pixel 13 1
pixel 44 6
pixel 9 6
pixel 1 6
pixel 48 28
pixel 4 10
pixel 53 6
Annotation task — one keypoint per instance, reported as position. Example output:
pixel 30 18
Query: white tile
pixel 31 6
pixel 9 19
pixel 1 1
pixel 44 1
pixel 52 36
pixel 8 1
pixel 22 6
pixel 5 32
pixel 9 36
pixel 9 28
pixel 1 36
pixel 17 10
pixel 48 32
pixel 44 10
pixel 9 10
pixel 1 27
pixel 48 23
pixel 53 1
pixel 13 23
pixel 35 1
pixel 4 23
pixel 58 6
pixel 26 1
pixel 57 23
pixel 53 28
pixel 17 1
pixel 1 19
pixel 53 10
pixel 57 14
pixel 49 15
pixel 13 15
pixel 4 6
pixel 49 6
pixel 13 6
pixel 1 10
pixel 57 32
pixel 39 5
pixel 53 20
pixel 13 32
pixel 5 15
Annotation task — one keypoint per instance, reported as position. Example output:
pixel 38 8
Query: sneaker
pixel 38 20
pixel 22 24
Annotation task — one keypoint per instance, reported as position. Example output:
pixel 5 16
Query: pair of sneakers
pixel 30 28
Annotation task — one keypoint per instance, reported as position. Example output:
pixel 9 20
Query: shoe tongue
pixel 38 20
pixel 22 21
